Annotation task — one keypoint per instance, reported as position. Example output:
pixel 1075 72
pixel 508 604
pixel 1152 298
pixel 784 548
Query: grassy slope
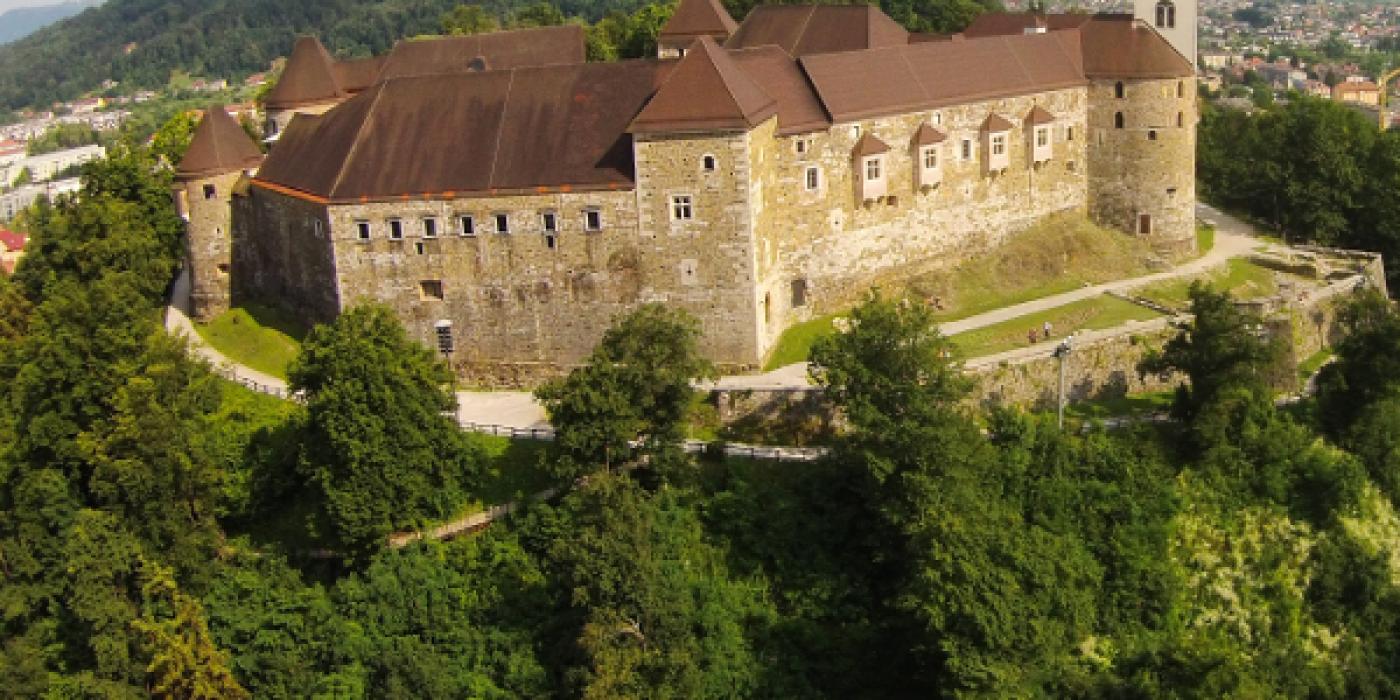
pixel 1063 253
pixel 1239 276
pixel 1089 314
pixel 263 338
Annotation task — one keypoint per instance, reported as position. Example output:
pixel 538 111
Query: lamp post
pixel 1061 353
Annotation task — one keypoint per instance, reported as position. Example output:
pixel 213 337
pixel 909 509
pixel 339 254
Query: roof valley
pixel 500 130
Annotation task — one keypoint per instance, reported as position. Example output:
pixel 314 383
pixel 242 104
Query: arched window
pixel 1166 14
pixel 1117 120
pixel 1181 88
pixel 1118 90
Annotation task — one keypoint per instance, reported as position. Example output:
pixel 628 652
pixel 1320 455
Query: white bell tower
pixel 1175 20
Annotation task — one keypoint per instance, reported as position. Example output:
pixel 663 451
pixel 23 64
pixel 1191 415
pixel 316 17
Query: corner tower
pixel 1175 20
pixel 692 20
pixel 220 153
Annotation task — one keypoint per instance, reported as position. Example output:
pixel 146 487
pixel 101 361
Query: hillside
pixel 21 22
pixel 139 42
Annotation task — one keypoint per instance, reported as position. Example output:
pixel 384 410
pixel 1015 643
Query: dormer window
pixel 1166 14
pixel 868 161
pixel 1039 123
pixel 997 132
pixel 928 161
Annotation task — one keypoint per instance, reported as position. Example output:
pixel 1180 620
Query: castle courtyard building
pixel 758 175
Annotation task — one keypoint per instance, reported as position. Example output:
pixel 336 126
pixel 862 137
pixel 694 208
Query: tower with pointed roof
pixel 692 20
pixel 219 156
pixel 1175 20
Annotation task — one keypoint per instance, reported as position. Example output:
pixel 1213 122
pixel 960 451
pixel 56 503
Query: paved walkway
pixel 1233 239
pixel 518 410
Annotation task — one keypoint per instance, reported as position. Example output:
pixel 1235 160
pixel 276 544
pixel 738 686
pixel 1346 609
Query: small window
pixel 872 169
pixel 1144 224
pixel 681 208
pixel 419 247
pixel 1180 120
pixel 1180 88
pixel 813 178
pixel 395 230
pixel 362 230
pixel 551 241
pixel 930 158
pixel 799 293
pixel 317 227
pixel 467 225
pixel 967 149
pixel 1117 120
pixel 1166 14
pixel 802 146
pixel 1152 135
pixel 549 222
pixel 502 223
pixel 855 131
pixel 1042 136
pixel 210 192
pixel 938 119
pixel 708 164
pixel 430 290
pixel 430 228
pixel 223 269
pixel 592 220
pixel 1069 133
pixel 1118 89
pixel 999 145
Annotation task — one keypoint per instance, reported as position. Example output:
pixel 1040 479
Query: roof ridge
pixel 359 136
pixel 500 129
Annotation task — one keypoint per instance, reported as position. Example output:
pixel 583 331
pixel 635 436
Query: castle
pixel 509 199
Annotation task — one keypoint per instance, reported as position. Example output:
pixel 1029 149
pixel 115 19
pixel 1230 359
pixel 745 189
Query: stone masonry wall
pixel 1147 167
pixel 831 246
pixel 512 299
pixel 282 255
pixel 208 237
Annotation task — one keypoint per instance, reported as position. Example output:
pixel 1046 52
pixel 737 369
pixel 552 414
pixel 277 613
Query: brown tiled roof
pixel 358 74
pixel 868 145
pixel 778 74
pixel 995 122
pixel 927 135
pixel 1005 23
pixel 540 46
pixel 500 131
pixel 1038 115
pixel 862 84
pixel 308 78
pixel 694 18
pixel 707 90
pixel 803 30
pixel 219 145
pixel 1113 45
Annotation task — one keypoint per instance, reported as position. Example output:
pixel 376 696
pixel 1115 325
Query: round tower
pixel 1142 136
pixel 220 153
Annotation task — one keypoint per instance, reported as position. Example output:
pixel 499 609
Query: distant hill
pixel 21 22
pixel 139 42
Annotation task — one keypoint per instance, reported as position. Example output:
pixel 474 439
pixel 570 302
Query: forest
pixel 1313 170
pixel 142 43
pixel 166 533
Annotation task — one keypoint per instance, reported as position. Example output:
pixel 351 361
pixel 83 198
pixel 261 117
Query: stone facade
pixel 204 203
pixel 282 255
pixel 818 248
pixel 1142 164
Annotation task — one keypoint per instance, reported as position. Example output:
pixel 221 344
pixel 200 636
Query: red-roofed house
pixel 11 249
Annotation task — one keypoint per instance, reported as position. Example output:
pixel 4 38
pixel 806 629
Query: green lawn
pixel 1240 277
pixel 1090 314
pixel 260 337
pixel 1307 368
pixel 1205 238
pixel 796 342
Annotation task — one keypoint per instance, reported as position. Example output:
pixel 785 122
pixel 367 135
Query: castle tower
pixel 220 153
pixel 308 85
pixel 1142 131
pixel 697 144
pixel 692 20
pixel 1175 20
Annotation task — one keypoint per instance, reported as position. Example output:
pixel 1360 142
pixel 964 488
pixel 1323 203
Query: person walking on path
pixel 1030 335
pixel 1046 330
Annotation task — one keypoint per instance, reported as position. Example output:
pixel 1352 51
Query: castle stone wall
pixel 282 256
pixel 829 245
pixel 209 220
pixel 1147 167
